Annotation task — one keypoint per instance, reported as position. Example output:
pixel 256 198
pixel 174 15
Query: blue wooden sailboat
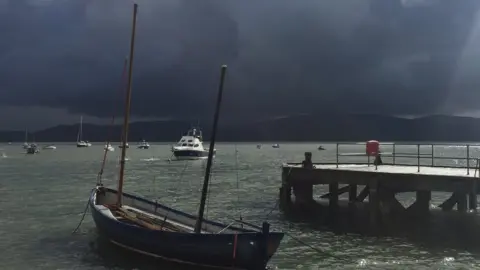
pixel 153 229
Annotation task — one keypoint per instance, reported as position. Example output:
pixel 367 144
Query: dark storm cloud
pixel 377 56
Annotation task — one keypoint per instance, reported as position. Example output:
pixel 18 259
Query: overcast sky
pixel 60 59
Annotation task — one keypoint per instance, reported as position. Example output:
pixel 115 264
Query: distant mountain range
pixel 325 127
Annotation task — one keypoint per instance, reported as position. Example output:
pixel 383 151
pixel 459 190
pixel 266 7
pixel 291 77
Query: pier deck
pixel 393 169
pixel 382 182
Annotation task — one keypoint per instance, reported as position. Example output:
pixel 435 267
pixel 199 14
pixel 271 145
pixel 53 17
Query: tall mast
pixel 198 224
pixel 80 130
pixel 127 109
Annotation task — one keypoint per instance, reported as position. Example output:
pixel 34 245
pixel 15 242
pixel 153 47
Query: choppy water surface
pixel 43 197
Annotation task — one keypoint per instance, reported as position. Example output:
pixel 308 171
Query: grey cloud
pixel 378 56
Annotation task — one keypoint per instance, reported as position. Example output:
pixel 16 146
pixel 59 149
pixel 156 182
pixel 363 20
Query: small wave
pixel 150 159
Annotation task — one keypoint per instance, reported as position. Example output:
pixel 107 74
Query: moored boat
pixel 153 229
pixel 121 146
pixel 143 145
pixel 190 146
pixel 80 141
pixel 109 147
pixel 158 231
pixel 32 149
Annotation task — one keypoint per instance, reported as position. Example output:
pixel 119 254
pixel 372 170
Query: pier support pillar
pixel 472 201
pixel 333 199
pixel 389 203
pixel 422 204
pixel 285 197
pixel 374 204
pixel 285 192
pixel 462 202
pixel 472 196
pixel 352 193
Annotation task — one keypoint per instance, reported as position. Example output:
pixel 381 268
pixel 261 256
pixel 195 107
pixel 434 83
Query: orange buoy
pixel 372 148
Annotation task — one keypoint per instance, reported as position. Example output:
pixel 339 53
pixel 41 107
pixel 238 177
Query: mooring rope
pixel 84 213
pixel 238 183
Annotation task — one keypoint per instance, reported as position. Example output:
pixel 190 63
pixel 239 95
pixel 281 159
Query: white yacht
pixel 126 146
pixel 190 146
pixel 80 141
pixel 109 147
pixel 276 145
pixel 50 147
pixel 143 145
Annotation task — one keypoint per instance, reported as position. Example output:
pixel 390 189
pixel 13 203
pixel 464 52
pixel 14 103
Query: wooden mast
pixel 127 109
pixel 198 224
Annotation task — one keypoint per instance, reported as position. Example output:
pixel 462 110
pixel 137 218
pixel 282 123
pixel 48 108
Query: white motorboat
pixel 143 145
pixel 50 147
pixel 190 146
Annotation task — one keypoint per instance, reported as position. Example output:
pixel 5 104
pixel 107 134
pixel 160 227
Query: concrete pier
pixel 378 184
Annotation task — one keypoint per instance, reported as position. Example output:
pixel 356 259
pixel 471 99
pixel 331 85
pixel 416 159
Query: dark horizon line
pixel 344 142
pixel 273 119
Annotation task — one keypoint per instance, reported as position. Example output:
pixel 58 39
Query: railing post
pixel 393 154
pixel 468 159
pixel 418 157
pixel 433 162
pixel 337 154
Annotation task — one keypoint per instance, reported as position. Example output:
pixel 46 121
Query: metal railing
pixel 435 155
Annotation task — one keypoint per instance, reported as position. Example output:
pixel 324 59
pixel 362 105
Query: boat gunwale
pixel 177 212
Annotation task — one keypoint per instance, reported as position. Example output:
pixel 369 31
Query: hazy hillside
pixel 336 127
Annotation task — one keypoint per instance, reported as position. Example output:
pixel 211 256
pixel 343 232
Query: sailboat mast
pixel 80 130
pixel 198 224
pixel 127 109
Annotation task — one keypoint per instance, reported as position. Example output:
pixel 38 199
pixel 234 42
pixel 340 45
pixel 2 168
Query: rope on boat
pixel 238 183
pixel 84 213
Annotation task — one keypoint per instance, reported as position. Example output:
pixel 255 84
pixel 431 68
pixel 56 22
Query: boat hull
pixel 31 151
pixel 143 147
pixel 185 154
pixel 238 250
pixel 83 145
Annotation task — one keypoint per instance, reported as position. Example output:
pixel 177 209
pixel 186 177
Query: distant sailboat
pixel 80 142
pixel 26 144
